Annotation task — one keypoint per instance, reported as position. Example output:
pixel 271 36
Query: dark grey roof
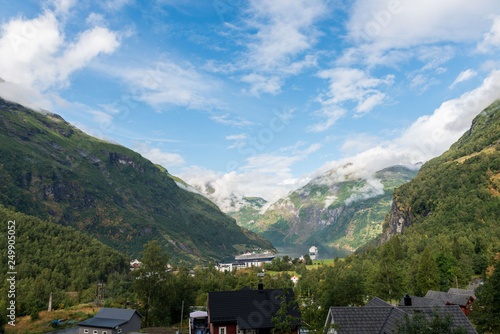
pixel 116 313
pixel 459 318
pixel 110 317
pixel 446 297
pixel 250 309
pixel 102 322
pixel 384 319
pixel 365 320
pixel 456 291
pixel 422 301
pixel 377 302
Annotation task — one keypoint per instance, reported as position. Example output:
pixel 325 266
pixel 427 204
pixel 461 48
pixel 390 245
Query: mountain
pixel 459 190
pixel 51 170
pixel 247 210
pixel 340 208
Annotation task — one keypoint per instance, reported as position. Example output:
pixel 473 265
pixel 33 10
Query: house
pixel 380 317
pixel 248 311
pixel 294 279
pixel 422 301
pixel 463 300
pixel 469 292
pixel 135 263
pixel 111 321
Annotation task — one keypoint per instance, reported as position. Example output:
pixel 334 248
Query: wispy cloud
pixel 464 76
pixel 156 155
pixel 491 40
pixel 349 84
pixel 164 84
pixel 284 32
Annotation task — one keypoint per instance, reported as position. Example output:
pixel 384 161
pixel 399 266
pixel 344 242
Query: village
pixel 257 310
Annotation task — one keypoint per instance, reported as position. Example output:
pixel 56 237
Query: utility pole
pixel 182 316
pixel 50 303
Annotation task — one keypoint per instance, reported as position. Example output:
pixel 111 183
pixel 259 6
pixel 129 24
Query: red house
pixel 247 311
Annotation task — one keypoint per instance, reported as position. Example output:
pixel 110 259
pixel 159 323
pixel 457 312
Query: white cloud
pixel 492 38
pixel 285 31
pixel 227 119
pixel 392 32
pixel 266 175
pixel 406 23
pixel 428 137
pixel 263 84
pixel 36 57
pixel 157 156
pixel 116 5
pixel 166 84
pixel 331 113
pixel 359 143
pixel 63 6
pixel 348 84
pixel 239 140
pixel 464 76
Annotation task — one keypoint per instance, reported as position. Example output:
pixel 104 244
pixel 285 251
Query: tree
pixel 307 259
pixel 428 272
pixel 150 275
pixel 418 324
pixel 486 314
pixel 284 321
pixel 313 319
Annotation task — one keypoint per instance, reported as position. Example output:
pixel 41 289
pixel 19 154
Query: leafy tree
pixel 486 314
pixel 284 321
pixel 428 275
pixel 150 275
pixel 418 324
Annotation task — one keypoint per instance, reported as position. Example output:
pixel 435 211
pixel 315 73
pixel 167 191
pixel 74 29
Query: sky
pixel 257 97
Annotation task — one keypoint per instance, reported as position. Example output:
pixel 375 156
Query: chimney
pixel 407 300
pixel 260 286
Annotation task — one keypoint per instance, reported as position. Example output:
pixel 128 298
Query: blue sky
pixel 257 97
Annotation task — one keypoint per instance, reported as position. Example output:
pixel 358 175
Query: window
pixel 104 332
pixel 85 331
pixel 119 331
pixel 222 330
pixel 94 331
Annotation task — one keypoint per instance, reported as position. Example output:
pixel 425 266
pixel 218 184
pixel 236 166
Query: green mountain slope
pixel 247 211
pixel 52 258
pixel 51 170
pixel 459 190
pixel 345 212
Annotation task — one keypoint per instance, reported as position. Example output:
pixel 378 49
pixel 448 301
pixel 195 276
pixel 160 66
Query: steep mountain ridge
pixel 459 189
pixel 337 209
pixel 51 170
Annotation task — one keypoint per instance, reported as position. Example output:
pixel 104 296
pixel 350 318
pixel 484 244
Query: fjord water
pixel 323 252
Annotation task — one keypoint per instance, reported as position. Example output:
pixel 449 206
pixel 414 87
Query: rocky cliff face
pixel 456 191
pixel 398 220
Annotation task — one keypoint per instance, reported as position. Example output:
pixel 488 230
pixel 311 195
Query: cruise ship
pixel 255 257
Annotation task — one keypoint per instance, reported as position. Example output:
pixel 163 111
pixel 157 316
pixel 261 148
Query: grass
pixel 318 263
pixel 42 325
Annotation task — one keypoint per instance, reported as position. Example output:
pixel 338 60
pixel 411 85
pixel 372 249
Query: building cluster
pixel 378 316
pixel 250 311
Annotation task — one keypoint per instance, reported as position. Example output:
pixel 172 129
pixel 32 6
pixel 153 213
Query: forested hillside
pixel 51 170
pixel 53 258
